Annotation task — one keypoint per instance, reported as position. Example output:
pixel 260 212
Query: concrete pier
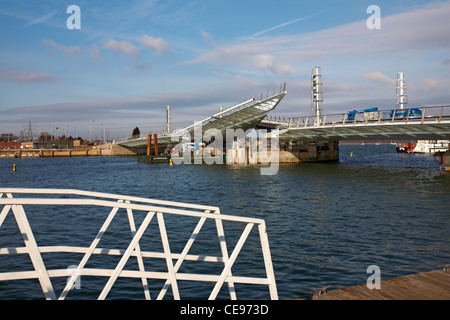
pixel 294 152
pixel 109 150
pixel 300 152
pixel 446 161
pixel 49 153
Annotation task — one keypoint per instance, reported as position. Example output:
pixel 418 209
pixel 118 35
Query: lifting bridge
pixel 245 116
pixel 433 123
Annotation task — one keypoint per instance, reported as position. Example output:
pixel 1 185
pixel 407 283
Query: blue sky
pixel 132 58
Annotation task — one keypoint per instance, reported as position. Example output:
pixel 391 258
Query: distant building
pixel 10 145
pixel 76 143
pixel 7 137
pixel 27 145
pixel 56 144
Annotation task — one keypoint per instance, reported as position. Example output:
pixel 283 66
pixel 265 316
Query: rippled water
pixel 326 222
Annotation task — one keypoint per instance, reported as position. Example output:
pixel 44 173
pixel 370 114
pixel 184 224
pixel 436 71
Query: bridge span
pixel 245 115
pixel 431 123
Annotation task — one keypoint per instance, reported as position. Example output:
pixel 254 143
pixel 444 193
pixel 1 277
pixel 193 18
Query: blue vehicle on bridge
pixel 351 115
pixel 404 113
pixel 373 113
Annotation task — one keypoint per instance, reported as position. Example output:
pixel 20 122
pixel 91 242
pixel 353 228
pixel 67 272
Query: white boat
pixel 431 146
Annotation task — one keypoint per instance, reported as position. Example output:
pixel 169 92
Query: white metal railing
pixel 427 115
pixel 132 206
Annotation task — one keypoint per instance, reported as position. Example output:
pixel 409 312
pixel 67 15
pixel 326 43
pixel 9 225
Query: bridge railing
pixel 136 209
pixel 408 115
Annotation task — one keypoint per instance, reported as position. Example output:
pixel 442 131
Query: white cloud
pixel 420 30
pixel 94 52
pixel 431 85
pixel 287 23
pixel 123 47
pixel 158 45
pixel 68 50
pixel 378 77
pixel 42 19
pixel 208 37
pixel 266 61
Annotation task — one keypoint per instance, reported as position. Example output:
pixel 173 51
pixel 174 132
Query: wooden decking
pixel 434 285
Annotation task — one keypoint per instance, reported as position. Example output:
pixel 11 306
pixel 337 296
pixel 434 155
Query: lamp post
pixel 90 131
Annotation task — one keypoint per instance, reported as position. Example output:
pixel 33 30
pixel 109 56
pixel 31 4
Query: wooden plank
pixel 400 289
pixel 422 285
pixel 434 285
pixel 431 285
pixel 391 291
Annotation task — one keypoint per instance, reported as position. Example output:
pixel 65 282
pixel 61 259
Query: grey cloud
pixel 191 105
pixel 24 76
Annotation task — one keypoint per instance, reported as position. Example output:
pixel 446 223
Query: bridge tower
pixel 316 95
pixel 401 91
pixel 168 120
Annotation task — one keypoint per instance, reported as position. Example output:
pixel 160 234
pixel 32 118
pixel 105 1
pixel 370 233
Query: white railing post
pixel 4 212
pixel 223 248
pixel 268 261
pixel 33 251
pixel 169 262
pixel 423 114
pixel 138 252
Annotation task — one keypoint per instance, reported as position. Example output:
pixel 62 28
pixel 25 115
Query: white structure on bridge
pixel 401 91
pixel 316 94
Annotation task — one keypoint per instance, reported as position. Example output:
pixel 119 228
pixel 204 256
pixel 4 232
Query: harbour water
pixel 326 222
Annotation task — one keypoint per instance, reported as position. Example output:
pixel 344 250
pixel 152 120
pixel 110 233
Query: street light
pixel 104 141
pixel 90 131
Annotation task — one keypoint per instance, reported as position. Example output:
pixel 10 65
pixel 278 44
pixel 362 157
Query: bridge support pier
pixel 446 161
pixel 301 151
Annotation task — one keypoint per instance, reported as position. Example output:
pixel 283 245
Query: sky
pixel 128 60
